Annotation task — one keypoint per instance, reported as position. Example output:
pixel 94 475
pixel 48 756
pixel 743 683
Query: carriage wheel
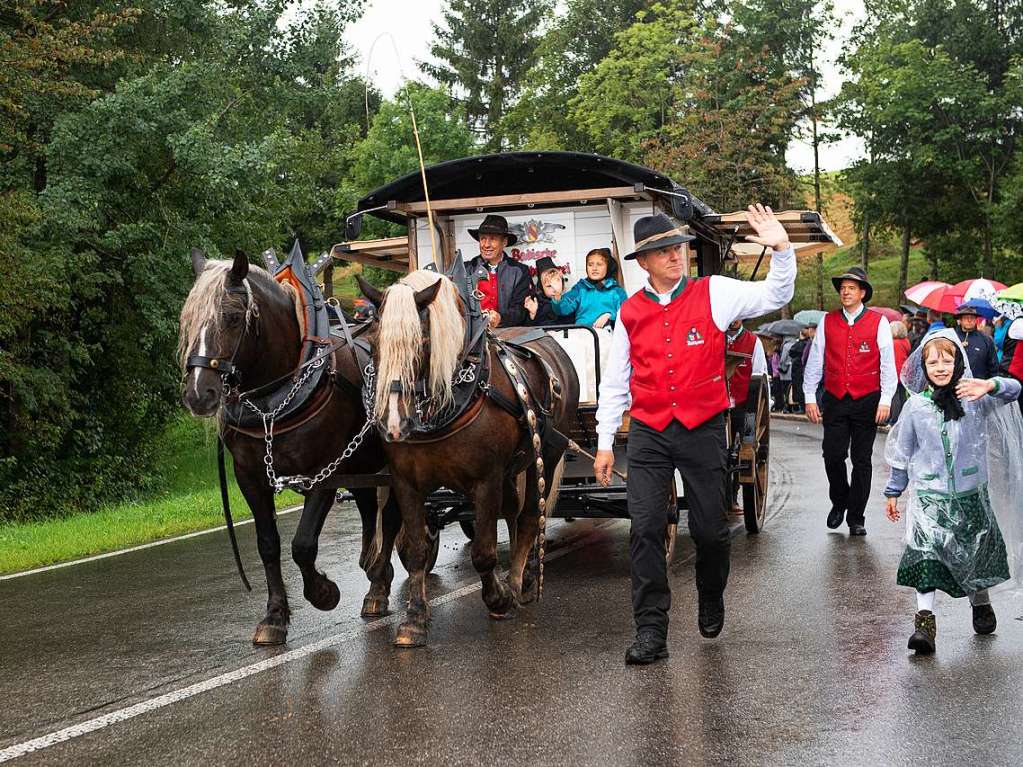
pixel 754 457
pixel 671 530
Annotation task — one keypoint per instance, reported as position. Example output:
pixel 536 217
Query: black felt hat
pixel 545 264
pixel 656 232
pixel 966 310
pixel 494 225
pixel 856 275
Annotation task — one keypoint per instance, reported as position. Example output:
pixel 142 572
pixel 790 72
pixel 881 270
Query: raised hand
pixel 974 388
pixel 769 231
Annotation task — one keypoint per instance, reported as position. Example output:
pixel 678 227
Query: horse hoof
pixel 410 635
pixel 373 607
pixel 267 635
pixel 325 597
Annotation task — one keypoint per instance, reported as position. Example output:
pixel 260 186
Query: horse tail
pixel 555 489
pixel 376 546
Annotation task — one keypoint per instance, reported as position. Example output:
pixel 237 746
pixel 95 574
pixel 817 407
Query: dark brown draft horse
pixel 417 353
pixel 240 327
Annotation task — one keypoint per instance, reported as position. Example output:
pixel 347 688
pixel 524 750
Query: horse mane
pixel 400 339
pixel 206 301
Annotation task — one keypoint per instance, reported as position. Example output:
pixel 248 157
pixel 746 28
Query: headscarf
pixel 945 397
pixel 611 269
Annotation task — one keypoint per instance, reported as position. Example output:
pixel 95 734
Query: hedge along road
pixel 146 657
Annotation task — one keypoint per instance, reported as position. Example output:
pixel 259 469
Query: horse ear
pixel 198 261
pixel 373 295
pixel 240 268
pixel 425 296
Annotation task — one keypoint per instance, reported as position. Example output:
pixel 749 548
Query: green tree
pixel 576 42
pixel 628 98
pixel 729 111
pixel 484 49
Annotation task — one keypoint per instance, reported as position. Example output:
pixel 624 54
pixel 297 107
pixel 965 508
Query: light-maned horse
pixel 419 339
pixel 238 314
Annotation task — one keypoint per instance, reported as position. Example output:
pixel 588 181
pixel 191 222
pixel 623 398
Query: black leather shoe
pixel 646 650
pixel 857 530
pixel 984 621
pixel 712 617
pixel 835 518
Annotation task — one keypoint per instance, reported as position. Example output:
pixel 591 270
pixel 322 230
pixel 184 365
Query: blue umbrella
pixel 983 307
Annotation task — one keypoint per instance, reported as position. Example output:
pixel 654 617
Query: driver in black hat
pixel 854 351
pixel 503 283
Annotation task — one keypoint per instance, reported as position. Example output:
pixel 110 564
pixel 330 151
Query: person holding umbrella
pixel 853 351
pixel 980 348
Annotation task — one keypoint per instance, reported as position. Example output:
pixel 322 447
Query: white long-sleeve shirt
pixel 814 370
pixel 729 300
pixel 1016 330
pixel 759 359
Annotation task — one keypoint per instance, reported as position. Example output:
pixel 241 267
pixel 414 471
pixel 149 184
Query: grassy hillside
pixel 883 272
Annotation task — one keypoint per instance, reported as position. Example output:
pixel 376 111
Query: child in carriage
pixel 596 299
pixel 550 283
pixel 939 452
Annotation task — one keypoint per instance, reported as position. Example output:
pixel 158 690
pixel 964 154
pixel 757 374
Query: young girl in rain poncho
pixel 939 451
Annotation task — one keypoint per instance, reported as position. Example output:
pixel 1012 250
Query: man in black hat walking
pixel 980 348
pixel 503 283
pixel 667 356
pixel 853 349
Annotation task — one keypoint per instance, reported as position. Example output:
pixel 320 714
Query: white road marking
pixel 184 693
pixel 140 547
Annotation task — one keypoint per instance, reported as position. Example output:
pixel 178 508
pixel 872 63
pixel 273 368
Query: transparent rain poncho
pixel 964 498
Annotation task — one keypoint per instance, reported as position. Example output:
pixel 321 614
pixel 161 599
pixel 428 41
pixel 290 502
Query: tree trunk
pixel 865 244
pixel 819 279
pixel 904 259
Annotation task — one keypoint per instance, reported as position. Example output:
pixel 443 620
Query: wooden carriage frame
pixel 538 183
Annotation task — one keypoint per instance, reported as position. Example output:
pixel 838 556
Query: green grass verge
pixel 189 500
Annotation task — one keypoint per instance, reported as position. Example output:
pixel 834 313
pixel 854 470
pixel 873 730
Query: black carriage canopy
pixel 518 180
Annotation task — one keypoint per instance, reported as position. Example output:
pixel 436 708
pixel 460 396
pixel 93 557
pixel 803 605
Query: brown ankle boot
pixel 926 630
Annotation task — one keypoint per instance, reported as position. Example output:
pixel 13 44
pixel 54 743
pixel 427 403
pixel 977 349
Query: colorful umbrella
pixel 983 307
pixel 977 288
pixel 922 290
pixel 1015 293
pixel 809 316
pixel 893 315
pixel 1011 309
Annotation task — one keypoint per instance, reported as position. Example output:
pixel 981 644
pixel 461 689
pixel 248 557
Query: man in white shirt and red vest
pixel 668 354
pixel 853 349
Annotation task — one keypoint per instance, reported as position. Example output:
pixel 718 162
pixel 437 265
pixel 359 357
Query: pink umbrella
pixel 976 288
pixel 934 295
pixel 921 291
pixel 893 315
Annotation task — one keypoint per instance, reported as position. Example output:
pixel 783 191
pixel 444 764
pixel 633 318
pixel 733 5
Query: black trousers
pixel 849 429
pixel 699 455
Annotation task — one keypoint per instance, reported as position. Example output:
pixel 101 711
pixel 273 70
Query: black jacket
pixel 513 286
pixel 981 352
pixel 545 314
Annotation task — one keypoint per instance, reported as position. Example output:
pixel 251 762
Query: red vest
pixel 1016 364
pixel 488 291
pixel 678 358
pixel 852 361
pixel 738 384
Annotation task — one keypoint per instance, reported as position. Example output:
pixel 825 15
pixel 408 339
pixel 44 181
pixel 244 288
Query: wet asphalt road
pixel 810 669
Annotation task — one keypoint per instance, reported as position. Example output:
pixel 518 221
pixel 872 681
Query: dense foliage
pixel 133 129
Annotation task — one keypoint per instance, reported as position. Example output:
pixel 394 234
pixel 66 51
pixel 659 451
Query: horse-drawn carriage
pixel 561 205
pixel 311 425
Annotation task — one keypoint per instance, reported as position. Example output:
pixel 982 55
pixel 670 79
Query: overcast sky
pixel 407 22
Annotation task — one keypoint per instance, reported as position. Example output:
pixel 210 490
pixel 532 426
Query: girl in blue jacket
pixel 596 299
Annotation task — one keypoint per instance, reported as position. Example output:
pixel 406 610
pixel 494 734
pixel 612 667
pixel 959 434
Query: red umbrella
pixel 976 288
pixel 893 315
pixel 919 292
